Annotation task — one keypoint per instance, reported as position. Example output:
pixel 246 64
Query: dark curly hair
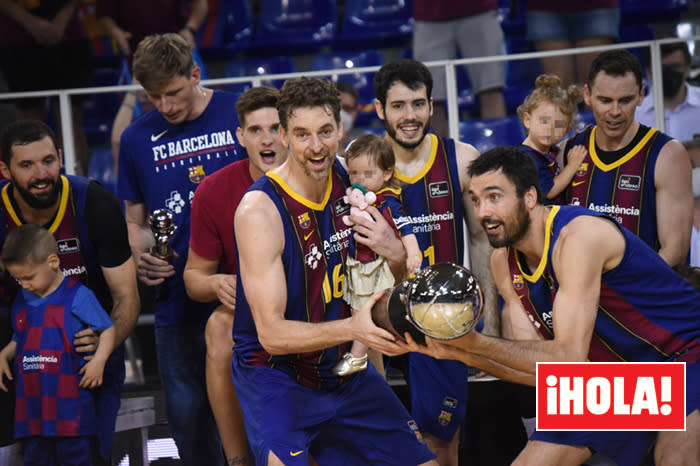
pixel 412 73
pixel 307 92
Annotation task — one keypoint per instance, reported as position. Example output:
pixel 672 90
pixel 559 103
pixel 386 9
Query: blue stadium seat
pixel 295 25
pixel 634 33
pixel 363 82
pixel 520 74
pixel 368 21
pixel 487 134
pixel 100 109
pixel 258 66
pixel 649 11
pixel 582 119
pixel 101 168
pixel 228 28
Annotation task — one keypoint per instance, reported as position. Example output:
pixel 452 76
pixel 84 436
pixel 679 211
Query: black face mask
pixel 672 81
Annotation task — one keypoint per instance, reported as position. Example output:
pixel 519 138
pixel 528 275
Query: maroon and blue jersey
pixel 49 401
pixel 390 206
pixel 433 204
pixel 646 311
pixel 315 247
pixel 547 169
pixel 625 189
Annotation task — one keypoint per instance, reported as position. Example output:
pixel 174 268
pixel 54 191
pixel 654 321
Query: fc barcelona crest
pixel 196 173
pixel 304 220
pixel 445 417
pixel 582 169
pixel 518 282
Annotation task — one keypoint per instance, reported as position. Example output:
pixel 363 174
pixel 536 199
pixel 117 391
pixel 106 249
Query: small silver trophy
pixel 162 222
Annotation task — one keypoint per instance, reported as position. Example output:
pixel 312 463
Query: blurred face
pixel 34 170
pixel 175 100
pixel 546 126
pixel 40 279
pixel 613 100
pixel 261 138
pixel 363 169
pixel 406 114
pixel 312 138
pixel 503 215
pixel 348 103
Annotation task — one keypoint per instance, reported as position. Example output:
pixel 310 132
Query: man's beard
pixel 518 231
pixel 406 145
pixel 45 201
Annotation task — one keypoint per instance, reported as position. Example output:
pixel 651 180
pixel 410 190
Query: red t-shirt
pixel 213 207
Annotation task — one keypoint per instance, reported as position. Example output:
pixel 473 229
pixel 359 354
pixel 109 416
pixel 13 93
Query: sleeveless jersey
pixel 646 311
pixel 625 189
pixel 433 205
pixel 49 402
pixel 389 204
pixel 75 250
pixel 315 247
pixel 547 169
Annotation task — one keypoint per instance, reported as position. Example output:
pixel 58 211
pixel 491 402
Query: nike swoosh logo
pixel 155 137
pixel 306 237
pixel 295 453
pixel 576 183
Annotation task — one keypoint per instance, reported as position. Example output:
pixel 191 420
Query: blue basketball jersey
pixel 315 247
pixel 433 205
pixel 547 169
pixel 161 165
pixel 624 189
pixel 646 311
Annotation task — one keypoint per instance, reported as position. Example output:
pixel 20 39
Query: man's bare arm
pixel 126 306
pixel 674 202
pixel 204 284
pixel 479 247
pixel 260 238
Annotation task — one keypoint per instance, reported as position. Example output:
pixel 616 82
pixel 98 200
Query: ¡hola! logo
pixel 611 396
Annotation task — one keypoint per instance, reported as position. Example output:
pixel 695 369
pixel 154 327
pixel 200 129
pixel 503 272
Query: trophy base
pixel 168 256
pixel 389 313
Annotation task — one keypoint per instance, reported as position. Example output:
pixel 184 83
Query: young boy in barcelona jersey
pixel 163 157
pixel 292 325
pixel 93 247
pixel 577 286
pixel 210 272
pixel 55 411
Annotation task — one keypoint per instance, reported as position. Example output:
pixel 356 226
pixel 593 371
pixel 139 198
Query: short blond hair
pixel 161 57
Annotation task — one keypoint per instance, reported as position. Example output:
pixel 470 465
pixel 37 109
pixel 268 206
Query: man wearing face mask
pixel 693 148
pixel 349 106
pixel 681 100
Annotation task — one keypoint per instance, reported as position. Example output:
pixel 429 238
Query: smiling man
pixel 433 173
pixel 163 157
pixel 636 174
pixel 292 325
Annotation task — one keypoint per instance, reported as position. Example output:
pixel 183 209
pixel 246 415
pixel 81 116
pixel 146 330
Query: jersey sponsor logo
pixel 337 242
pixel 312 257
pixel 576 183
pixel 614 209
pixel 295 453
pixel 518 282
pixel 439 189
pixel 341 207
pixel 449 402
pixel 196 173
pixel 306 237
pixel 304 220
pixel 175 202
pixel 547 317
pixel 575 201
pixel 630 182
pixel 66 246
pixel 445 418
pixel 611 396
pixel 39 362
pixel 155 137
pixel 536 323
pixel 73 271
pixel 582 169
pixel 425 223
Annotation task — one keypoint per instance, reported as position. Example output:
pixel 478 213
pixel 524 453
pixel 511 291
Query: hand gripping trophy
pixel 162 222
pixel 443 301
